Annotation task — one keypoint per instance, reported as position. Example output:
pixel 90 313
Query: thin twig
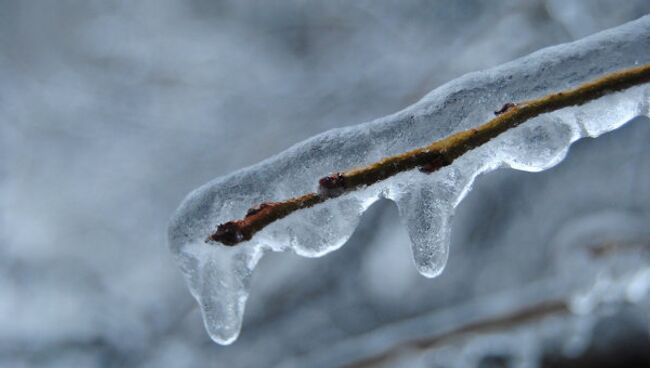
pixel 430 158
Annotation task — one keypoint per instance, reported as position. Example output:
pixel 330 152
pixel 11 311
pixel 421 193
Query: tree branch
pixel 430 158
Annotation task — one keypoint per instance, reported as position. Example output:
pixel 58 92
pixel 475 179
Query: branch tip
pixel 229 233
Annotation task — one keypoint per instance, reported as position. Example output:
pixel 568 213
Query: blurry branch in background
pixel 430 158
pixel 498 323
pixel 503 322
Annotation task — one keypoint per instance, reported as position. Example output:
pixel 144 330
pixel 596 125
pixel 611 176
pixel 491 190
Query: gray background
pixel 111 111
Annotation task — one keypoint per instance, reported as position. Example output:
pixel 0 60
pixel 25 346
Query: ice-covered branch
pixel 219 276
pixel 430 158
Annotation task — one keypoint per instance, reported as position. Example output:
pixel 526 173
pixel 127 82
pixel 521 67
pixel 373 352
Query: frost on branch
pixel 218 276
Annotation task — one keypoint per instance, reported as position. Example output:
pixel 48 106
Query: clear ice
pixel 218 276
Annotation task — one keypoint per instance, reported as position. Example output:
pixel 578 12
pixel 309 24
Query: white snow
pixel 218 276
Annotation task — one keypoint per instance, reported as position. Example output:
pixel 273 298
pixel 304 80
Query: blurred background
pixel 112 111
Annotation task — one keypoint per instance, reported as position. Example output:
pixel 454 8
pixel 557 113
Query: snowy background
pixel 110 112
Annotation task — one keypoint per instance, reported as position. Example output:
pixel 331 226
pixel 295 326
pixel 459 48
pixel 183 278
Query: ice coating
pixel 218 276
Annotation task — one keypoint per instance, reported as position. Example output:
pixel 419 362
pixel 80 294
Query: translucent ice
pixel 218 276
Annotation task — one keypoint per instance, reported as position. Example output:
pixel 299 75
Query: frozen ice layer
pixel 218 276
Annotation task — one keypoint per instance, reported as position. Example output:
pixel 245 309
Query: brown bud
pixel 505 108
pixel 332 186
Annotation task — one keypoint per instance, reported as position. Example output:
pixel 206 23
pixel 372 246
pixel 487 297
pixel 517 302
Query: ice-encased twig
pixel 431 158
pixel 218 276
